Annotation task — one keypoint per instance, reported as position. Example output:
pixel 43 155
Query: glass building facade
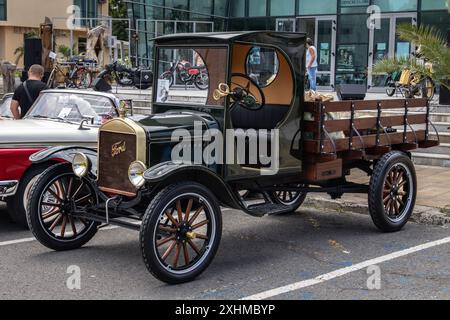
pixel 350 35
pixel 2 10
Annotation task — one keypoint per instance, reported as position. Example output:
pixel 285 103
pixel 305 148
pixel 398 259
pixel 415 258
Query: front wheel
pixel 181 232
pixel 392 192
pixel 53 202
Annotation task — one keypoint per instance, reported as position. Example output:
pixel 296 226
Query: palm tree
pixel 432 47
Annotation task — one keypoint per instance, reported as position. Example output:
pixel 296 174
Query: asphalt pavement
pixel 308 255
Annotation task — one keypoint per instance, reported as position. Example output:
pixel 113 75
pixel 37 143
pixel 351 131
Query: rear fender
pixel 65 154
pixel 169 172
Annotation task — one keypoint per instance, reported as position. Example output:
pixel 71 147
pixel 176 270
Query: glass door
pixel 286 25
pixel 322 30
pixel 385 43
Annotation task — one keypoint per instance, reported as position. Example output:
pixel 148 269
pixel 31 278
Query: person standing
pixel 28 92
pixel 311 64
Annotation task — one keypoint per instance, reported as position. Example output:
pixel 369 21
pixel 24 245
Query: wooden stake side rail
pixel 368 135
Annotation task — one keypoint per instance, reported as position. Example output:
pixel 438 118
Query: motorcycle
pixel 140 78
pixel 187 74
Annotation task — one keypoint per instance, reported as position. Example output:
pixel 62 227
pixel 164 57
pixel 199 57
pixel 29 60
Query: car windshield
pixel 72 107
pixel 5 110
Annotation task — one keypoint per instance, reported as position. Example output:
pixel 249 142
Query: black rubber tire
pixel 151 218
pixel 16 208
pixel 376 206
pixel 33 212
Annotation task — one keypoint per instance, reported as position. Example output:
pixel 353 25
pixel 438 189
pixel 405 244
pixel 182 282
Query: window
pixel 257 8
pixel 2 10
pixel 282 8
pixel 220 7
pixel 434 4
pixel 262 66
pixel 397 5
pixel 237 8
pixel 354 6
pixel 440 20
pixel 204 7
pixel 314 7
pixel 181 68
pixel 352 50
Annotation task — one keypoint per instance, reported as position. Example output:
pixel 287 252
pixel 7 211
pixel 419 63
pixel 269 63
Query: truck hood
pixel 45 133
pixel 161 126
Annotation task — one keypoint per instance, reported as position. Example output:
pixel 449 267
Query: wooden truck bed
pixel 364 138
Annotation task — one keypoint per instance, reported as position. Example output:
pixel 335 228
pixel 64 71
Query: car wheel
pixel 181 232
pixel 291 199
pixel 18 203
pixel 392 192
pixel 50 212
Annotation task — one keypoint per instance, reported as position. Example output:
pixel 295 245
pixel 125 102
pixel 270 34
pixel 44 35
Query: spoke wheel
pixel 293 199
pixel 181 232
pixel 392 191
pixel 396 192
pixel 54 201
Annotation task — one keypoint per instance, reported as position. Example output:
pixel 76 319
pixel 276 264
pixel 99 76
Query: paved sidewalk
pixel 433 187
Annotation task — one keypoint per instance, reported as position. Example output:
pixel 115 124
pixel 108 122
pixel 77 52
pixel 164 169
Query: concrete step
pixel 444 149
pixel 440 117
pixel 431 159
pixel 444 136
pixel 442 126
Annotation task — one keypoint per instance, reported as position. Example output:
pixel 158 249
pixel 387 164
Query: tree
pixel 118 9
pixel 432 47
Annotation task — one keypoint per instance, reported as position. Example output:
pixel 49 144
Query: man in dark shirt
pixel 28 92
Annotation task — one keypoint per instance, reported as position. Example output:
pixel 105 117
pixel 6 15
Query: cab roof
pixel 293 39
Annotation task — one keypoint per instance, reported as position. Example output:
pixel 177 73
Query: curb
pixel 422 215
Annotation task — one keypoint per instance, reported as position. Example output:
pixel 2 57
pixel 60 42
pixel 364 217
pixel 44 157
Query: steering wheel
pixel 243 96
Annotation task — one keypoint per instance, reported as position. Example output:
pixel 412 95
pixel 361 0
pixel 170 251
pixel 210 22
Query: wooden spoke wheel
pixel 181 232
pixel 392 193
pixel 55 198
pixel 396 192
pixel 293 199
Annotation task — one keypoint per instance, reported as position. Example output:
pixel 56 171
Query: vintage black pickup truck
pixel 170 174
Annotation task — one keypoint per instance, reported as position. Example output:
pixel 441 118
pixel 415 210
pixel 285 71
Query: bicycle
pixel 78 76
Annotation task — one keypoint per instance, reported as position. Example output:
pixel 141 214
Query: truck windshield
pixel 190 75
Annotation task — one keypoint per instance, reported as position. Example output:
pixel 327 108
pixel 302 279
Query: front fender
pixel 65 154
pixel 169 172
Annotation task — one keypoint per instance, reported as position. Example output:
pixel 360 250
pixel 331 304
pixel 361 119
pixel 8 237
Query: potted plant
pixel 432 48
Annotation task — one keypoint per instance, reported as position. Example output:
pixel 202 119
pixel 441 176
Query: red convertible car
pixel 58 118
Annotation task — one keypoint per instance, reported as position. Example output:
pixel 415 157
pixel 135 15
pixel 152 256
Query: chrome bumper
pixel 8 188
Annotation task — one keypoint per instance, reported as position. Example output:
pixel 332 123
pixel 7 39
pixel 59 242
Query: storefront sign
pixel 355 3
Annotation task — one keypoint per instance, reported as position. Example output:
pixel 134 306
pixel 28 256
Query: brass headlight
pixel 136 174
pixel 81 165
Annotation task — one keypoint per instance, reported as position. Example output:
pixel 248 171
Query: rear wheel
pixel 202 81
pixel 83 79
pixel 54 199
pixel 168 76
pixel 291 199
pixel 428 88
pixel 392 192
pixel 181 232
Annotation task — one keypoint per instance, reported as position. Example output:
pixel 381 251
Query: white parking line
pixel 8 243
pixel 25 240
pixel 339 273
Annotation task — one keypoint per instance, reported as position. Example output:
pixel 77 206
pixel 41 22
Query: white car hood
pixel 45 133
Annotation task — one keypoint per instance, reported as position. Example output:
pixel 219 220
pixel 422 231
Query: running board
pixel 267 209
